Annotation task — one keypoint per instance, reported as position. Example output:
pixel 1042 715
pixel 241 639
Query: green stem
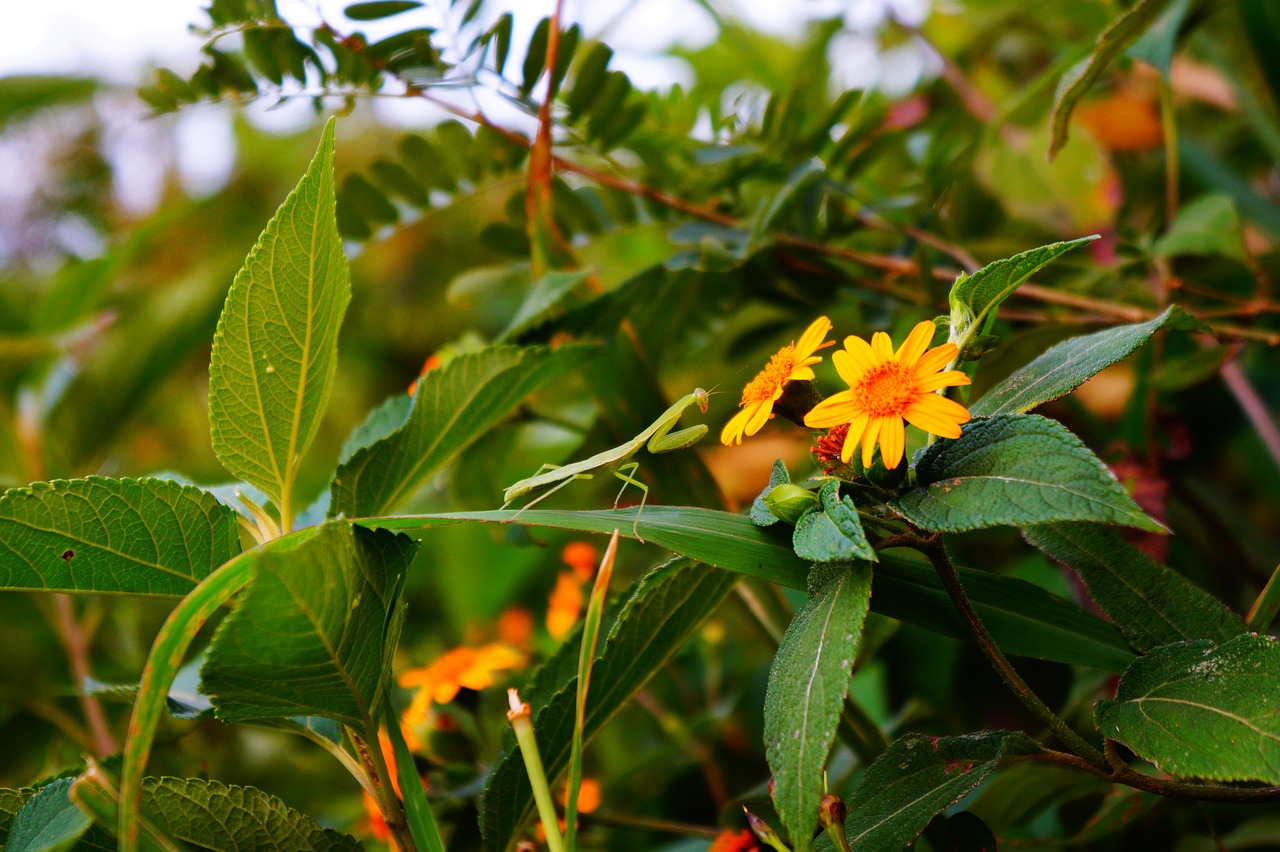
pixel 370 751
pixel 951 582
pixel 522 723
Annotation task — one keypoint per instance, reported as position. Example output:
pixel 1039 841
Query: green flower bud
pixel 789 502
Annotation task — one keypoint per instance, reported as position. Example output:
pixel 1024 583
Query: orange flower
pixel 582 557
pixel 564 606
pixel 433 361
pixel 472 668
pixel 1123 121
pixel 515 627
pixel 790 363
pixel 734 841
pixel 887 387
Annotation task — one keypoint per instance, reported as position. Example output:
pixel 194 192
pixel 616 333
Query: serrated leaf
pixel 1151 604
pixel 314 634
pixel 113 536
pixel 1201 710
pixel 276 347
pixel 834 534
pixel 1025 619
pixel 376 9
pixel 544 301
pixel 975 298
pixel 11 801
pixel 48 822
pixel 918 777
pixel 668 605
pixel 760 514
pixel 1015 469
pixel 808 682
pixel 1208 226
pixel 1122 32
pixel 1066 366
pixel 452 407
pixel 212 815
pixel 377 424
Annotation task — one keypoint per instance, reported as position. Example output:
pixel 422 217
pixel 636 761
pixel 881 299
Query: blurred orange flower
pixel 565 605
pixel 582 557
pixel 472 668
pixel 734 841
pixel 515 627
pixel 1122 121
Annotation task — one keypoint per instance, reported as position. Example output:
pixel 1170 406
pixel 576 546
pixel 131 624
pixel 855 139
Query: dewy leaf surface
pixel 1063 368
pixel 276 347
pixel 916 778
pixel 807 685
pixel 1151 604
pixel 314 633
pixel 668 605
pixel 1015 469
pixel 453 406
pixel 1201 710
pixel 1025 619
pixel 113 536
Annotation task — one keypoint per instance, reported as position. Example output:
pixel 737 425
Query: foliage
pixel 803 624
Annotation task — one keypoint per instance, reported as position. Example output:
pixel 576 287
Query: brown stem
pixel 1122 773
pixel 76 644
pixel 1253 406
pixel 951 582
pixel 643 824
pixel 388 802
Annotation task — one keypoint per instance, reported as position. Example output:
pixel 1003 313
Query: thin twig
pixel 1253 406
pixel 76 645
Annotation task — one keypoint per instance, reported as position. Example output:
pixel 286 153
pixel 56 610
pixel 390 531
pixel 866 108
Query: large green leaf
pixel 1202 710
pixel 314 634
pixel 668 605
pixel 1123 32
pixel 1025 619
pixel 48 822
pixel 974 298
pixel 276 347
pixel 1208 226
pixel 11 801
pixel 1151 604
pixel 1015 469
pixel 113 536
pixel 212 815
pixel 1063 368
pixel 452 407
pixel 807 685
pixel 916 778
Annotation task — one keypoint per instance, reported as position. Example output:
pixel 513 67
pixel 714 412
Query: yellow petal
pixel 869 439
pixel 761 415
pixel 860 351
pixel 732 433
pixel 935 359
pixel 881 346
pixel 801 373
pixel 893 440
pixel 938 415
pixel 812 337
pixel 915 344
pixel 849 367
pixel 832 411
pixel 856 428
pixel 945 379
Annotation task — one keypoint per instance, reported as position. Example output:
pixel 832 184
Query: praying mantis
pixel 656 438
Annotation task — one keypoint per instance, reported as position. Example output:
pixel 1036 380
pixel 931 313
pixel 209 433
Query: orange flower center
pixel 886 389
pixel 772 377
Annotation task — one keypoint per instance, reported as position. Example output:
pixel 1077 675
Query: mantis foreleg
pixel 628 478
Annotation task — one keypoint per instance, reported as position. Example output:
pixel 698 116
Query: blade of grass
pixel 590 635
pixel 422 824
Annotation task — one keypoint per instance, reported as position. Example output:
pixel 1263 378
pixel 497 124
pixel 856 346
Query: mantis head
pixel 702 398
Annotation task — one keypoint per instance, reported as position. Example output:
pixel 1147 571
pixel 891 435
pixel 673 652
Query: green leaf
pixel 1157 44
pixel 807 685
pixel 975 298
pixel 211 815
pixel 422 823
pixel 535 57
pixel 376 9
pixel 833 534
pixel 760 513
pixel 452 407
pixel 1063 368
pixel 1123 32
pixel 1015 469
pixel 917 778
pixel 667 607
pixel 1151 604
pixel 11 801
pixel 1025 619
pixel 314 634
pixel 1202 710
pixel 1208 226
pixel 377 424
pixel 276 347
pixel 48 822
pixel 113 536
pixel 545 301
pixel 588 79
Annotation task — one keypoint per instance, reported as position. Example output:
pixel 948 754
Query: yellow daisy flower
pixel 887 387
pixel 790 363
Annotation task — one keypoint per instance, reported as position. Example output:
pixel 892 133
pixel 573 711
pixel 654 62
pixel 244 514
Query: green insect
pixel 657 438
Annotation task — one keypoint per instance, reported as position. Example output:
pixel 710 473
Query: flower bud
pixel 789 502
